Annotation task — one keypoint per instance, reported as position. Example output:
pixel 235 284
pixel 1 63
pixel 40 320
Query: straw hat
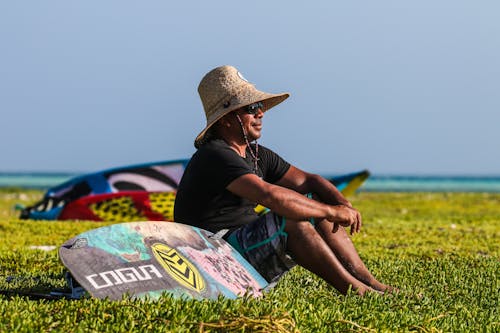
pixel 224 89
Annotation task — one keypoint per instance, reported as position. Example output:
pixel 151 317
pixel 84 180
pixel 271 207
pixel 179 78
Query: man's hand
pixel 346 217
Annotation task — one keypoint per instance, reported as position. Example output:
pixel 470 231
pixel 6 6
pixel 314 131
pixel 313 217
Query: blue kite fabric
pixel 149 178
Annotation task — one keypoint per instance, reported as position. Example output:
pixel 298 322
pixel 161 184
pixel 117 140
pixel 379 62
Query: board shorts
pixel 263 244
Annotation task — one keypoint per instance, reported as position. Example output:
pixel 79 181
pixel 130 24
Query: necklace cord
pixel 255 156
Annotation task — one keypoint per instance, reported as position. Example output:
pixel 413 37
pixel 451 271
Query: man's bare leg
pixel 310 251
pixel 341 244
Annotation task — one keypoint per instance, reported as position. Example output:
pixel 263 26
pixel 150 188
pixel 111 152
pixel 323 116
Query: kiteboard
pixel 147 259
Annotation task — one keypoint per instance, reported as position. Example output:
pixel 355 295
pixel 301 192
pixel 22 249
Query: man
pixel 228 176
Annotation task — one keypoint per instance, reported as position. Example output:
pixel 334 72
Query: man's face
pixel 251 117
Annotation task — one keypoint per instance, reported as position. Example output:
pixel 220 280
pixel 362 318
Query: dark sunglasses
pixel 254 108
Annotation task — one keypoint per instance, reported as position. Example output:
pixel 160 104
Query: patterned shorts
pixel 263 244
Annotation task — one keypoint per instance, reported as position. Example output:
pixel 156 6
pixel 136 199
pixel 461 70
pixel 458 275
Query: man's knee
pixel 299 226
pixel 305 225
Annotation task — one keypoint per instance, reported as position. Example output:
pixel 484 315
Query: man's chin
pixel 256 136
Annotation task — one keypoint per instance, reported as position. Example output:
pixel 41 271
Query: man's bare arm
pixel 304 182
pixel 291 204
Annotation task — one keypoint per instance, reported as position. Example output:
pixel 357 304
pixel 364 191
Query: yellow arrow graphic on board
pixel 178 267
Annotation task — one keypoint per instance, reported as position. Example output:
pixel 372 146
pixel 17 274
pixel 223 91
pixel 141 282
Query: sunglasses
pixel 254 108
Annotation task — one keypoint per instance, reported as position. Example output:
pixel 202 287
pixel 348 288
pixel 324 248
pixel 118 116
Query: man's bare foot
pixel 363 290
pixel 384 288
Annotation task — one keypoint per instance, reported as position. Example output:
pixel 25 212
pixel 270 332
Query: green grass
pixel 441 250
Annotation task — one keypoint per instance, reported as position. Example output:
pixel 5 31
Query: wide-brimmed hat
pixel 224 89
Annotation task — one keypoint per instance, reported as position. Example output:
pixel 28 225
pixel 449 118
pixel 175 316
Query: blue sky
pixel 396 87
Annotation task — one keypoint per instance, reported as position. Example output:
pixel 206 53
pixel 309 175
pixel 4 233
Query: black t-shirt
pixel 202 198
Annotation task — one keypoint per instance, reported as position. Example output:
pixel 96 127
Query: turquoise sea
pixel 375 183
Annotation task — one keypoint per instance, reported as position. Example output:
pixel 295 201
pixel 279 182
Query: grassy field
pixel 440 249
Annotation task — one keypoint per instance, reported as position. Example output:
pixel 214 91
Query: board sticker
pixel 179 268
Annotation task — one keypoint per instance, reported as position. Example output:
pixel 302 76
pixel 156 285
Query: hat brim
pixel 269 101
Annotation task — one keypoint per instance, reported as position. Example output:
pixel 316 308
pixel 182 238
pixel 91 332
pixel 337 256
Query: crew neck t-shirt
pixel 202 199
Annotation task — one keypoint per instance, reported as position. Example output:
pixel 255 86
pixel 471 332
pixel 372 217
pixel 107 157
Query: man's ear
pixel 224 121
